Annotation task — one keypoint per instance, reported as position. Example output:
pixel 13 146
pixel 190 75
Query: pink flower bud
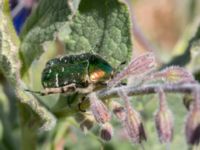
pixel 138 66
pixel 134 127
pixel 106 132
pixel 192 126
pixel 173 74
pixel 164 120
pixel 98 108
pixel 133 122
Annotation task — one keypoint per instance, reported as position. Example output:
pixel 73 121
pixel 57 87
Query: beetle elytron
pixel 82 73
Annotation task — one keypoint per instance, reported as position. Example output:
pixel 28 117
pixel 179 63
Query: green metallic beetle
pixel 82 73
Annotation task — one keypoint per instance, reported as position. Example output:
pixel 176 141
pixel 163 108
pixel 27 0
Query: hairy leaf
pixel 103 27
pixel 9 66
pixel 41 26
pixel 8 45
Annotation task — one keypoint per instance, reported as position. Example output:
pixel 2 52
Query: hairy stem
pixel 147 89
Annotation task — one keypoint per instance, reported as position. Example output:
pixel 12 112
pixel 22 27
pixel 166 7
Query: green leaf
pixel 10 66
pixel 103 27
pixel 41 26
pixel 8 44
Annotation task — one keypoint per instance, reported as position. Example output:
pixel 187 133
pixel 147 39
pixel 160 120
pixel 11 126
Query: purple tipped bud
pixel 119 111
pixel 134 127
pixel 106 132
pixel 164 125
pixel 164 120
pixel 192 127
pixel 138 66
pixel 98 108
pixel 133 122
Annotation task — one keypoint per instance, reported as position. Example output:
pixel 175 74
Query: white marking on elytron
pixel 87 68
pixel 52 63
pixel 49 70
pixel 57 80
pixel 63 69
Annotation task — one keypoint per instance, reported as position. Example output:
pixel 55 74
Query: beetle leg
pixel 86 90
pixel 70 87
pixel 80 109
pixel 83 99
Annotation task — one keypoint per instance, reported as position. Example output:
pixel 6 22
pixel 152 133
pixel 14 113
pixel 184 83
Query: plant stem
pixel 147 89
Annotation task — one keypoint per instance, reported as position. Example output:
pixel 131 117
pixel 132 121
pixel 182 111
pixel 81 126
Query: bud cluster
pixel 131 119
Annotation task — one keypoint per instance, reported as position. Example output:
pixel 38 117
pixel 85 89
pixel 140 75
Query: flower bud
pixel 134 127
pixel 118 111
pixel 133 122
pixel 173 74
pixel 98 108
pixel 164 125
pixel 106 132
pixel 192 126
pixel 137 67
pixel 164 120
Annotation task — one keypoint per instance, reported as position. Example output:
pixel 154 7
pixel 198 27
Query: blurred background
pixel 167 25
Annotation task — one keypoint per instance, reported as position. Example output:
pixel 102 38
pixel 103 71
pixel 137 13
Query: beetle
pixel 82 73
